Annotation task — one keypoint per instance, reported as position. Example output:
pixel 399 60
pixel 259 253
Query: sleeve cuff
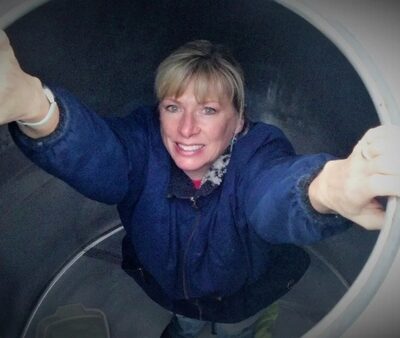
pixel 326 220
pixel 42 143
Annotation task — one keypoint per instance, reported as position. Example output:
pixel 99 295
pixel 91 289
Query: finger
pixel 371 220
pixel 366 152
pixel 384 139
pixel 369 151
pixel 386 131
pixel 383 185
pixel 378 147
pixel 363 154
pixel 384 164
pixel 371 217
pixel 359 150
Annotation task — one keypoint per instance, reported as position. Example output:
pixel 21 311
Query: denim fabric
pixel 259 325
pixel 184 327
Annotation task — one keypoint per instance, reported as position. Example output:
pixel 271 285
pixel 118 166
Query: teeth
pixel 193 147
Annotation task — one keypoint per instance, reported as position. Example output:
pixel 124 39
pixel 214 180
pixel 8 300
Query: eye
pixel 172 108
pixel 209 110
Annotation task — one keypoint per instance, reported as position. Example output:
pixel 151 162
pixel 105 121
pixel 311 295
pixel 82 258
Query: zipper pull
pixel 193 200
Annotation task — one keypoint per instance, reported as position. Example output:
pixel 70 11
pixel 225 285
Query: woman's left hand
pixel 349 187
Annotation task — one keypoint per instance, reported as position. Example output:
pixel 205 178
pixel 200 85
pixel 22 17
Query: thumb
pixel 4 41
pixel 5 46
pixel 362 150
pixel 371 217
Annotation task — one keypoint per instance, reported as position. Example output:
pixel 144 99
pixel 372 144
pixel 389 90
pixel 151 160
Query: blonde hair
pixel 211 67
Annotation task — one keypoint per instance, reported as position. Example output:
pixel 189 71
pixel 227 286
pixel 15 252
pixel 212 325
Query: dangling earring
pixel 233 141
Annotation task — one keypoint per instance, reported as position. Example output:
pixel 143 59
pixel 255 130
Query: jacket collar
pixel 181 186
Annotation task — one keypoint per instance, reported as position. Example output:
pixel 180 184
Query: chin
pixel 193 171
pixel 188 167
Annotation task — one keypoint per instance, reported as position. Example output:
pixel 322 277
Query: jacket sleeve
pixel 92 154
pixel 276 198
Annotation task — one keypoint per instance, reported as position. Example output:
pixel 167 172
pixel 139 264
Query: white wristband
pixel 49 114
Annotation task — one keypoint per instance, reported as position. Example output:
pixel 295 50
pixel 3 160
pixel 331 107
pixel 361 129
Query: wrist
pixel 318 191
pixel 51 105
pixel 45 123
pixel 39 103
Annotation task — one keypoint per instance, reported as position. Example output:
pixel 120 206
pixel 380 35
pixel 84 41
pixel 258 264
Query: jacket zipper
pixel 196 223
pixel 194 202
pixel 199 309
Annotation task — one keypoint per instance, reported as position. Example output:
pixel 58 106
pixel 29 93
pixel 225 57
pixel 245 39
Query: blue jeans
pixel 184 327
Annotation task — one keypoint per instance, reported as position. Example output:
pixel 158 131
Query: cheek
pixel 166 128
pixel 164 135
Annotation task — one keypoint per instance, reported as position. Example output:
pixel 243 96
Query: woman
pixel 212 204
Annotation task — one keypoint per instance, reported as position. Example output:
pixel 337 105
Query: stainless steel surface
pixel 44 223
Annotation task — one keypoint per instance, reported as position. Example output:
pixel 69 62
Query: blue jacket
pixel 220 253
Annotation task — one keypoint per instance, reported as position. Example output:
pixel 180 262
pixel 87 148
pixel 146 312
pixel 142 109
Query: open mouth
pixel 192 148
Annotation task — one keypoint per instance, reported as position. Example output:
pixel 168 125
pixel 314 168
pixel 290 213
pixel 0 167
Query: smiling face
pixel 197 133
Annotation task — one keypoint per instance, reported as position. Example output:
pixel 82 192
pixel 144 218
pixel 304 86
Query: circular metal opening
pixel 275 94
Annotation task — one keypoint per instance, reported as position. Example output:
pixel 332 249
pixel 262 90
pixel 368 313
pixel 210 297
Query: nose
pixel 188 125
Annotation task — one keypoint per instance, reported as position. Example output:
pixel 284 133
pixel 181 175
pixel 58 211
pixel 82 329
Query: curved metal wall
pixel 300 102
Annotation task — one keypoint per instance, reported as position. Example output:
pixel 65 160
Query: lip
pixel 189 149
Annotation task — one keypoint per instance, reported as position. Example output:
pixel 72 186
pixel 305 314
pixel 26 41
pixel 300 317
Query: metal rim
pixel 349 308
pixel 386 248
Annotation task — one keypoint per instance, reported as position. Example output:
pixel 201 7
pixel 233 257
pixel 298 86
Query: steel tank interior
pixel 58 248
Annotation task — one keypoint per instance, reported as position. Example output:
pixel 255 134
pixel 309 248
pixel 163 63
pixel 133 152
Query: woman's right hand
pixel 21 95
